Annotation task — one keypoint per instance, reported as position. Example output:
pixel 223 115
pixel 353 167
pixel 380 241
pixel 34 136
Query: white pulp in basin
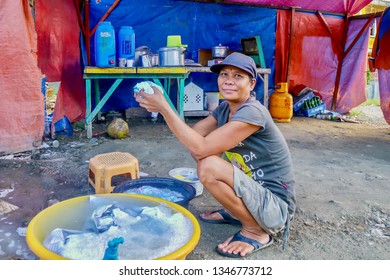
pixel 148 232
pixel 188 175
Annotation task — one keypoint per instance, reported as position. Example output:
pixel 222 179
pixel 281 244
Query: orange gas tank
pixel 281 104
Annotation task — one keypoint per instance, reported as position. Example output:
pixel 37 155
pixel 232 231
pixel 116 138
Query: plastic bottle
pixel 306 105
pixel 105 49
pixel 312 103
pixel 317 100
pixel 126 43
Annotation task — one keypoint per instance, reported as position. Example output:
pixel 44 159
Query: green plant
pixel 370 102
pixel 354 113
pixel 368 77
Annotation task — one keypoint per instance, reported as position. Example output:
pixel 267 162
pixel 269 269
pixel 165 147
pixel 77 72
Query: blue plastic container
pixel 105 48
pixel 63 127
pixel 186 189
pixel 126 43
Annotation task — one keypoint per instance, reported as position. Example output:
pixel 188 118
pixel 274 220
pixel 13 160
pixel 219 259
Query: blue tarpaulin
pixel 200 25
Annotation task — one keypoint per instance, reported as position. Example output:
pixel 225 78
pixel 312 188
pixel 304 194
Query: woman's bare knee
pixel 214 169
pixel 206 169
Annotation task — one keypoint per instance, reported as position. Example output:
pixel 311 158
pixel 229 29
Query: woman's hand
pixel 152 102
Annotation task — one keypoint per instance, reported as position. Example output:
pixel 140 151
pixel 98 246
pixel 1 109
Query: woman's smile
pixel 229 90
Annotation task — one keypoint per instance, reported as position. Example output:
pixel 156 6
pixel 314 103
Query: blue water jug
pixel 126 43
pixel 105 49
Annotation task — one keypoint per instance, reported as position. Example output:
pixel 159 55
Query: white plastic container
pixel 188 175
pixel 193 98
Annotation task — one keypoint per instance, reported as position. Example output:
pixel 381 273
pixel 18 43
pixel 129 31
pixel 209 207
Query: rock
pixel 56 144
pixel 376 217
pixel 93 141
pixel 308 223
pixel 118 129
pixel 376 232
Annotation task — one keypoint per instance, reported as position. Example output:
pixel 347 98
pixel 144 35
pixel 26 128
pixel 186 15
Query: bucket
pixel 188 175
pixel 71 214
pixel 126 43
pixel 105 49
pixel 63 128
pixel 186 191
pixel 175 41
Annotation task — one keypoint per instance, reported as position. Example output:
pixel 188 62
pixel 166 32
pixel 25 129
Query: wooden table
pixel 160 75
pixel 157 74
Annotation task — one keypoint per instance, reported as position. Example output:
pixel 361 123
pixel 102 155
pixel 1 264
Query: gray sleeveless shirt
pixel 264 155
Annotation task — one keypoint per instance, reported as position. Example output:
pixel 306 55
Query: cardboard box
pixel 204 55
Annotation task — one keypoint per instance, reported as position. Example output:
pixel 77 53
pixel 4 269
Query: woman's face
pixel 235 84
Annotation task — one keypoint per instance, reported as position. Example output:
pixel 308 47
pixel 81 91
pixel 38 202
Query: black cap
pixel 239 60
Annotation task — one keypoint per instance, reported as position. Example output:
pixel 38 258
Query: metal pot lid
pixel 171 48
pixel 141 48
pixel 221 47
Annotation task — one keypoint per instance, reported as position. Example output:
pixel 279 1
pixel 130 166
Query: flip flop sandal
pixel 226 218
pixel 239 237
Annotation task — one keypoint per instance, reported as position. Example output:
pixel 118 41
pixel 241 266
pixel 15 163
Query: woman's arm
pixel 204 139
pixel 206 125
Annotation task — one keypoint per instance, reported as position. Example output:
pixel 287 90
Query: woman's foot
pixel 219 217
pixel 243 243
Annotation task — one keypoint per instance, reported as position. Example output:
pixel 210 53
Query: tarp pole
pixel 334 40
pixel 290 43
pixel 87 32
pixel 345 53
pixel 364 28
pixel 340 63
pixel 76 5
pixel 106 14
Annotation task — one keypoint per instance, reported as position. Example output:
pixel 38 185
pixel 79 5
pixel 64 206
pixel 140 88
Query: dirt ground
pixel 342 171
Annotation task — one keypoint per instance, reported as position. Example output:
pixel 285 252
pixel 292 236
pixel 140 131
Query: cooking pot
pixel 139 52
pixel 219 51
pixel 171 56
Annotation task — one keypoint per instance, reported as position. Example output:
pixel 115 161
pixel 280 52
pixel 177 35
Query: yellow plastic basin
pixel 68 214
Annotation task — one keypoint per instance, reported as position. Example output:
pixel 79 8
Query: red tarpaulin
pixel 59 55
pixel 380 49
pixel 22 101
pixel 313 57
pixel 381 54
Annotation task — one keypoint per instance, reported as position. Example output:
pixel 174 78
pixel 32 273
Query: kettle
pixel 220 51
pixel 139 52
